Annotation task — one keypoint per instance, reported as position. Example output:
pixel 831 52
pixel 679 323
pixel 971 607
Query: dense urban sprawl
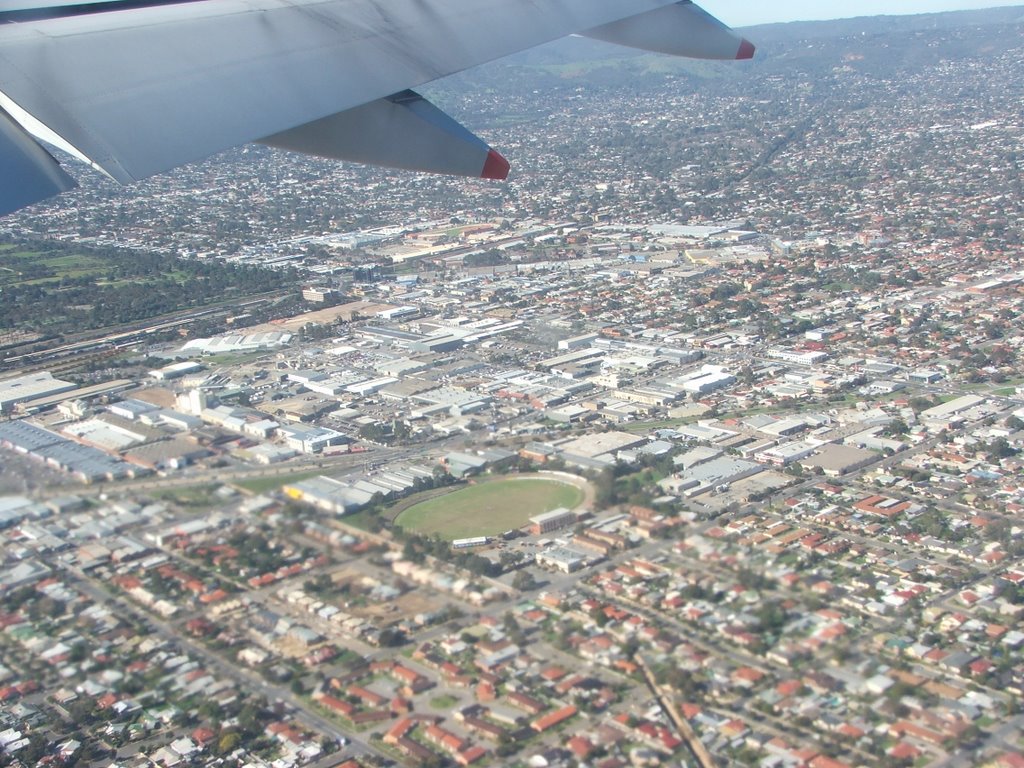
pixel 696 443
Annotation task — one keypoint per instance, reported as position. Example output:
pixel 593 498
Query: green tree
pixel 895 428
pixel 524 581
pixel 228 743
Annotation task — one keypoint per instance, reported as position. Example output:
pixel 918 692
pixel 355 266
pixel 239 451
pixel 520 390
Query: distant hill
pixel 766 34
pixel 874 44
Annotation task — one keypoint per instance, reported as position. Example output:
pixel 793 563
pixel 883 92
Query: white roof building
pixel 33 386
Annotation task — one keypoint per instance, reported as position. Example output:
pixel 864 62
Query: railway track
pixel 77 350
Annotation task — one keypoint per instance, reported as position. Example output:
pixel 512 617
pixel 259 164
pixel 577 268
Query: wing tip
pixel 495 167
pixel 746 50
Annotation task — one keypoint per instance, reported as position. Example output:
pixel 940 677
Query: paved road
pixel 221 475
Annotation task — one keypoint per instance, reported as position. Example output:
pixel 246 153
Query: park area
pixel 490 507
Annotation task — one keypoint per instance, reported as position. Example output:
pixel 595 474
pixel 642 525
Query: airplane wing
pixel 136 87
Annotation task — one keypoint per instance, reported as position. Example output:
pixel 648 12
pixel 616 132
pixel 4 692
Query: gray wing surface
pixel 143 91
pixel 28 173
pixel 140 90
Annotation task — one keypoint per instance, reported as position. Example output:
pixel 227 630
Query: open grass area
pixel 234 358
pixel 489 508
pixel 1005 391
pixel 443 702
pixel 361 520
pixel 641 427
pixel 36 267
pixel 194 497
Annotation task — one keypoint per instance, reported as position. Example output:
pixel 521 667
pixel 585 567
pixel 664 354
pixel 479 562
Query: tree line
pixel 129 286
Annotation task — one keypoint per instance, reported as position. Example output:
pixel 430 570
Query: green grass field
pixel 50 268
pixel 489 508
pixel 444 701
pixel 640 427
pixel 201 496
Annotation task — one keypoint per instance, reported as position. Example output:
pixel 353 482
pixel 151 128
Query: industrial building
pixel 176 370
pixel 836 460
pixel 85 463
pixel 946 415
pixel 235 342
pixel 601 443
pixel 352 493
pixel 710 378
pixel 709 475
pixel 561 559
pixel 308 439
pixel 785 454
pixel 552 521
pixel 577 342
pixel 328 494
pixel 33 386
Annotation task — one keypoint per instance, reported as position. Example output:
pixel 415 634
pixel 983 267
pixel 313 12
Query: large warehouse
pixel 34 386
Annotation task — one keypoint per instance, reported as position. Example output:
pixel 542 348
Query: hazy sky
pixel 739 13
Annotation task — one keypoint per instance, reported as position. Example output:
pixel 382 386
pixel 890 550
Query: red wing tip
pixel 496 167
pixel 746 50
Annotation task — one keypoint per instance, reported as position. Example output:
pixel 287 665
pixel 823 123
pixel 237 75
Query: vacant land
pixel 489 508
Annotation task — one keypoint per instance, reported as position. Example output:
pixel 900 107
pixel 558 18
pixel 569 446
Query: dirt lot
pixel 409 604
